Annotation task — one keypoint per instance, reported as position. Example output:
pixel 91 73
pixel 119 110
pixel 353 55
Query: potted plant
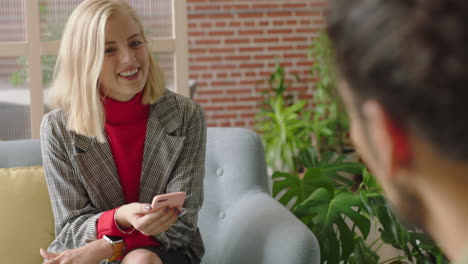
pixel 341 211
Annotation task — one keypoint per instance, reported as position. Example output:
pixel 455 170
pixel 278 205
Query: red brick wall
pixel 233 47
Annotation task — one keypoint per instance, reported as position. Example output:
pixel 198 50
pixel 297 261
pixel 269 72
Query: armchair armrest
pixel 257 229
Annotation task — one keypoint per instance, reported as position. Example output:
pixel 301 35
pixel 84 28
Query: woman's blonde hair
pixel 75 86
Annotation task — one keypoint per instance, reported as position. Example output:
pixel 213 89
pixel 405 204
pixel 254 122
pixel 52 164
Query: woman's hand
pixel 91 253
pixel 144 219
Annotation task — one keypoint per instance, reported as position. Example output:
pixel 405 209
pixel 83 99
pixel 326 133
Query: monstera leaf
pixel 331 164
pixel 298 188
pixel 330 210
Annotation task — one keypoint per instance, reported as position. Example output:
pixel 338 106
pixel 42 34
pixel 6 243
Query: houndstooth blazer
pixel 83 182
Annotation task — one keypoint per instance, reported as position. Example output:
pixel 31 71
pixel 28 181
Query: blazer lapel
pixel 162 146
pixel 96 165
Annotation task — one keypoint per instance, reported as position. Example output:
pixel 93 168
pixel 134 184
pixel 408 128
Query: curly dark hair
pixel 412 56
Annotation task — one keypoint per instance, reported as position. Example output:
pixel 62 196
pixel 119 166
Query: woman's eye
pixel 109 50
pixel 136 43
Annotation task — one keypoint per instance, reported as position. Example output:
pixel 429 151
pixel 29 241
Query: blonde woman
pixel 116 139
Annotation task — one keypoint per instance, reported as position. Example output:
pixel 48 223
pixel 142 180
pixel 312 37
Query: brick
pixel 207 59
pixel 226 83
pixel 295 39
pixel 239 91
pixel 280 14
pixel 201 101
pixel 222 50
pixel 304 63
pixel 265 40
pixel 207 7
pixel 230 7
pixel 198 68
pixel 280 31
pixel 196 33
pixel 252 65
pixel 295 56
pixel 235 24
pixel 317 4
pixel 265 6
pixel 240 107
pixel 248 82
pixel 249 24
pixel 197 51
pixel 251 49
pixel 295 5
pixel 224 100
pixel 283 64
pixel 221 16
pixel 240 123
pixel 252 98
pixel 307 30
pixel 248 115
pixel 196 17
pixel 263 23
pixel 236 41
pixel 308 13
pixel 238 58
pixel 221 24
pixel 223 67
pixel 221 33
pixel 236 74
pixel 279 48
pixel 224 116
pixel 225 124
pixel 250 32
pixel 213 108
pixel 264 57
pixel 206 25
pixel 278 23
pixel 250 15
pixel 208 42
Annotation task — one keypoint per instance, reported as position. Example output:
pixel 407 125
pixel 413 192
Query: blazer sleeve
pixel 188 175
pixel 75 216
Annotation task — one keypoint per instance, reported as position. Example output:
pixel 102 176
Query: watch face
pixel 114 239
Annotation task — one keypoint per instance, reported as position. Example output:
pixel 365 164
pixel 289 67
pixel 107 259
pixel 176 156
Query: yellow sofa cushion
pixel 27 220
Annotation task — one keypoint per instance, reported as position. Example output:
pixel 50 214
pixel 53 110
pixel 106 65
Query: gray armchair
pixel 239 221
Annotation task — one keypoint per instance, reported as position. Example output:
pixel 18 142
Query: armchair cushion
pixel 26 214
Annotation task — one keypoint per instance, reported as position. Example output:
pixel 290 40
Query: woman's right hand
pixel 144 219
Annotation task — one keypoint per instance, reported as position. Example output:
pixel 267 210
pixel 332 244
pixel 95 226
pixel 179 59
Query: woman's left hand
pixel 91 253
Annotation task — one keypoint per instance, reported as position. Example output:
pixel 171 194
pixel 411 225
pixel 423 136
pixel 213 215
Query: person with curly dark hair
pixel 404 70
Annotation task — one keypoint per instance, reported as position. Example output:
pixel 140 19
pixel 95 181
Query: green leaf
pixel 292 184
pixel 346 238
pixel 363 254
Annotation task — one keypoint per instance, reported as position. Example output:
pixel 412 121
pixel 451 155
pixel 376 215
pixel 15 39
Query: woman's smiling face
pixel 126 59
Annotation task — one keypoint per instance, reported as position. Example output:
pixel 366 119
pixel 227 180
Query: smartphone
pixel 170 200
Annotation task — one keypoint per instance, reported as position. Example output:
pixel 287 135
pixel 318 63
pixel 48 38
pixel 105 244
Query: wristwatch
pixel 118 244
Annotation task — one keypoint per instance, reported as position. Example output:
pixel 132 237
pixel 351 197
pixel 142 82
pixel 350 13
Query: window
pixel 30 34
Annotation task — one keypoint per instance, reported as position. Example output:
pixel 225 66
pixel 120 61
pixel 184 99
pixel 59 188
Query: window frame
pixel 34 48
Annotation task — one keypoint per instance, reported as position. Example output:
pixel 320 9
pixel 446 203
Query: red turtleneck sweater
pixel 126 131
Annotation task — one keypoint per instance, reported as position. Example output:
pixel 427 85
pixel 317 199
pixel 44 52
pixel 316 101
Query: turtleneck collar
pixel 125 113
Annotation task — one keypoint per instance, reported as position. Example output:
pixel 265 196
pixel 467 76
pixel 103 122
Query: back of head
pixel 410 55
pixel 79 64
